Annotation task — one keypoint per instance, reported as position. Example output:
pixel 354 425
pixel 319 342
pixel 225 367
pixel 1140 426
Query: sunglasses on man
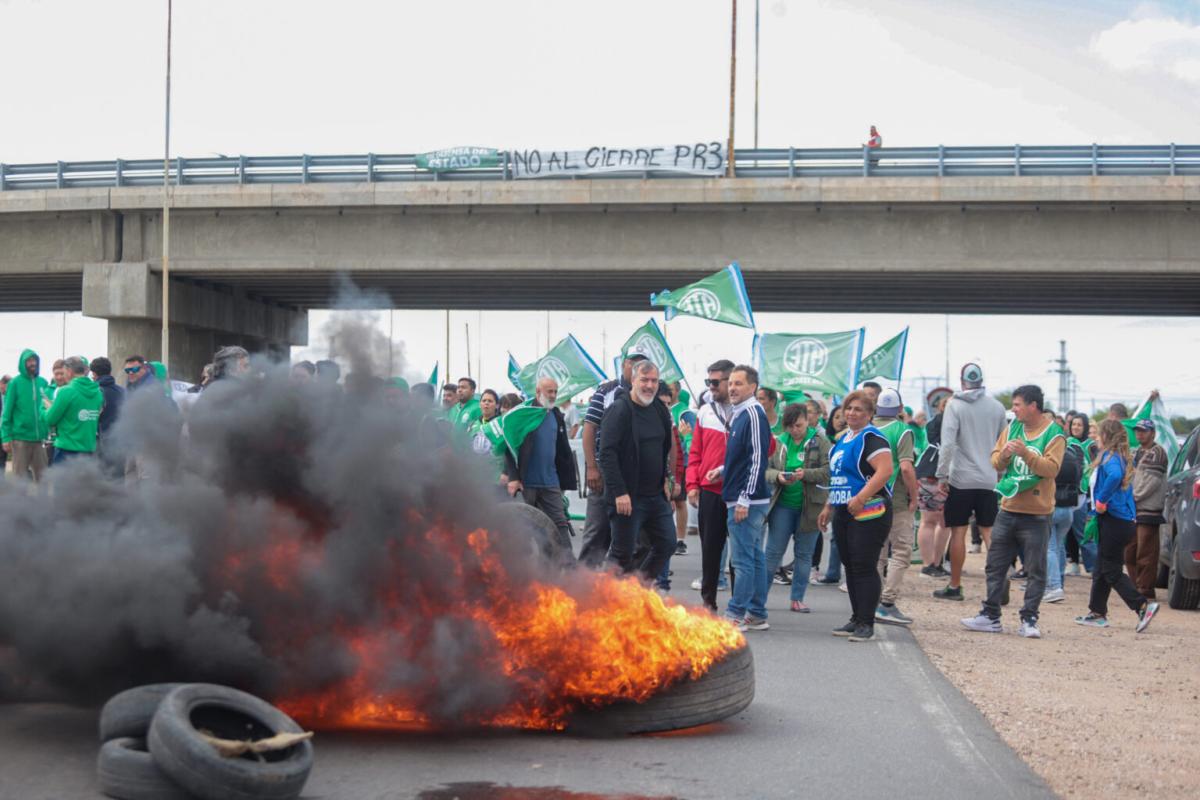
pixel 132 370
pixel 714 382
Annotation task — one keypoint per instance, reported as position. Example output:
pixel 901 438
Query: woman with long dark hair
pixel 860 508
pixel 1079 433
pixel 1112 495
pixel 482 444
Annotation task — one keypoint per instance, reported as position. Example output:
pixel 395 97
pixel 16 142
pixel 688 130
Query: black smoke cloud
pixel 106 584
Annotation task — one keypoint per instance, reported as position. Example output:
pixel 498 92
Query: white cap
pixel 889 403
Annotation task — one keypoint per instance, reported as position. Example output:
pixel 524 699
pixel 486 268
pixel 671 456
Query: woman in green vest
pixel 798 470
pixel 481 443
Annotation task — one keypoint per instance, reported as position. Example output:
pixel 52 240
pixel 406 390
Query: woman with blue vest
pixel 1112 495
pixel 860 507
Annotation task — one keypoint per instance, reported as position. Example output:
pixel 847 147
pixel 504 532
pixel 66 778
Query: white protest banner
pixel 699 158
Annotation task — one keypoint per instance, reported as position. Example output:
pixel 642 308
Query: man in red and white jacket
pixel 706 459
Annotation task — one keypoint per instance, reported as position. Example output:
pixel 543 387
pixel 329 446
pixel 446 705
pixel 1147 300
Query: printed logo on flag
pixel 806 357
pixel 700 303
pixel 553 368
pixel 648 346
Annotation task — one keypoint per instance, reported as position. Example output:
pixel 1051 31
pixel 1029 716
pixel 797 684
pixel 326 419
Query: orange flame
pixel 595 641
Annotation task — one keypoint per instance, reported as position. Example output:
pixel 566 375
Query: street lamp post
pixel 732 89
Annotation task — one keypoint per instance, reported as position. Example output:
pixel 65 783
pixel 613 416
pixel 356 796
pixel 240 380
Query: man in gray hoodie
pixel 971 425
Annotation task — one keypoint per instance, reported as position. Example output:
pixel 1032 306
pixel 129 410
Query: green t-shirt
pixel 792 495
pixel 777 428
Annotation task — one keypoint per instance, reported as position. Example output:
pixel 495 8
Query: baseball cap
pixel 1144 425
pixel 635 354
pixel 972 376
pixel 889 403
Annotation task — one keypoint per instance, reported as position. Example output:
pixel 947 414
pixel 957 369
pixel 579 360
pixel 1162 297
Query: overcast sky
pixel 84 80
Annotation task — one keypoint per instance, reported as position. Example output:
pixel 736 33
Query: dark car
pixel 1179 555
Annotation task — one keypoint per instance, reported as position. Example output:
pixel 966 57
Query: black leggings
pixel 859 545
pixel 1115 534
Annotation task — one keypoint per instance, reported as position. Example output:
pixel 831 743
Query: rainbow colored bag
pixel 872 509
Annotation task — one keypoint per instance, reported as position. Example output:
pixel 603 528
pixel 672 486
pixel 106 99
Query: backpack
pixel 927 464
pixel 1070 473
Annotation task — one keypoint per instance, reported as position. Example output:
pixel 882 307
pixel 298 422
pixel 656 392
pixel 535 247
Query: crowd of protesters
pixel 752 473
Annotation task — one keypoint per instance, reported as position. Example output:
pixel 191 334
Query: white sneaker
pixel 983 624
pixel 1029 630
pixel 976 548
pixel 842 588
pixel 1054 596
pixel 696 584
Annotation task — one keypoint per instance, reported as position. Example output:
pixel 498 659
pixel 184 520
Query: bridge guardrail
pixel 789 162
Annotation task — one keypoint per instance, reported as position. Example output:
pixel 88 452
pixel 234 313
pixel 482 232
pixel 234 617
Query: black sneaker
pixel 846 630
pixel 940 571
pixel 862 633
pixel 782 578
pixel 681 548
pixel 949 593
pixel 930 570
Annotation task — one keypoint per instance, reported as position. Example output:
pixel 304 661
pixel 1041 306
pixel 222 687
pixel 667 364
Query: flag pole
pixel 166 232
pixel 437 389
pixel 467 335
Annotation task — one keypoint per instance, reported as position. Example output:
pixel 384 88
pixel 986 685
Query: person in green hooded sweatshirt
pixel 75 413
pixel 22 429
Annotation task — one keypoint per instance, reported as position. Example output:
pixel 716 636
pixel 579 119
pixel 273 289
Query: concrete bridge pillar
pixel 203 319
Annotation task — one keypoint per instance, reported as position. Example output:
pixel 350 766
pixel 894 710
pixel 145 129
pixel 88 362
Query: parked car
pixel 1179 542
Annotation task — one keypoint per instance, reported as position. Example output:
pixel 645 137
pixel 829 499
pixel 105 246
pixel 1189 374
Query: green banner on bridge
pixel 459 158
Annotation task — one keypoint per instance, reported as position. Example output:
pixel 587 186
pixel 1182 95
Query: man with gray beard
pixel 635 449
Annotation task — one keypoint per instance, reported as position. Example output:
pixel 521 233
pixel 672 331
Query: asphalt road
pixel 830 719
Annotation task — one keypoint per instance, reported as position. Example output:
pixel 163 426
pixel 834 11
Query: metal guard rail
pixel 790 162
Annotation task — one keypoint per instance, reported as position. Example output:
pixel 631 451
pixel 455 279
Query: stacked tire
pixel 152 747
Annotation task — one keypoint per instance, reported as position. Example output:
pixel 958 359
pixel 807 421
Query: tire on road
pixel 128 713
pixel 726 689
pixel 522 519
pixel 227 714
pixel 1182 593
pixel 126 771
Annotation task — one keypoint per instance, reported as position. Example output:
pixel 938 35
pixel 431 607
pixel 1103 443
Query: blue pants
pixel 751 579
pixel 62 456
pixel 783 526
pixel 1056 546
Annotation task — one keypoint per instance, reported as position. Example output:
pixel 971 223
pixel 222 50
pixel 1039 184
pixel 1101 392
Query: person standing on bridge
pixel 970 425
pixel 874 141
pixel 22 429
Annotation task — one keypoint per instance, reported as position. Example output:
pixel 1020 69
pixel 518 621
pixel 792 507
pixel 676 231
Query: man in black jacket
pixel 112 462
pixel 635 449
pixel 545 466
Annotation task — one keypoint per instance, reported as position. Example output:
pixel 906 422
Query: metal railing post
pixel 241 170
pixel 1172 158
pixel 370 167
pixel 1017 160
pixel 119 176
pixel 304 168
pixel 791 162
pixel 507 173
pixel 1095 159
pixel 179 171
pixel 941 161
pixel 59 180
pixel 866 161
pixel 3 169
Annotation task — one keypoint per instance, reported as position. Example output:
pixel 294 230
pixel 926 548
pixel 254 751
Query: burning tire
pixel 127 771
pixel 524 520
pixel 192 762
pixel 726 689
pixel 128 714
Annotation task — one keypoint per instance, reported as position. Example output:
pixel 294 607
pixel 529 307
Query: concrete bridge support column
pixel 203 319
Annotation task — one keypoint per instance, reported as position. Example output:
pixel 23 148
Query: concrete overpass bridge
pixel 248 258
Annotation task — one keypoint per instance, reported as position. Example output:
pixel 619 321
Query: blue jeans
pixel 62 456
pixel 783 525
pixel 833 569
pixel 1056 546
pixel 652 514
pixel 1086 551
pixel 749 596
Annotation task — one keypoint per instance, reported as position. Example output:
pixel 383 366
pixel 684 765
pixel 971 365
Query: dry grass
pixel 1097 713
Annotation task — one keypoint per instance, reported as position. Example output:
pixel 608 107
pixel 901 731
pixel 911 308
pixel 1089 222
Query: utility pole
pixel 756 2
pixel 1064 378
pixel 166 232
pixel 732 90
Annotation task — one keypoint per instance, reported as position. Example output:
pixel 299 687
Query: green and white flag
pixel 887 360
pixel 650 342
pixel 720 297
pixel 510 429
pixel 568 364
pixel 821 362
pixel 514 369
pixel 433 379
pixel 1164 433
